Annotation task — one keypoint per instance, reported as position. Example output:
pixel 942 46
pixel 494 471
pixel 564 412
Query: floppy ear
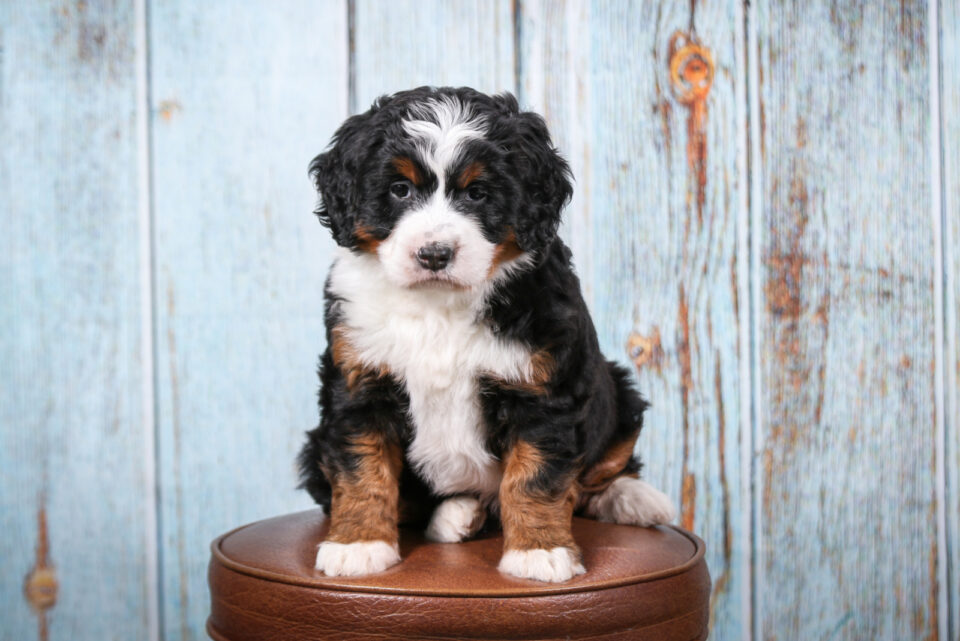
pixel 543 175
pixel 337 171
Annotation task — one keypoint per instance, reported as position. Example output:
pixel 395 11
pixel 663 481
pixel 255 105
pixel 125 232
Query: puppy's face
pixel 446 187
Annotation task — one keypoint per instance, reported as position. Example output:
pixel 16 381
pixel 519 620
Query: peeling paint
pixel 688 483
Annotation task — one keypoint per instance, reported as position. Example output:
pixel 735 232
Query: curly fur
pixel 458 370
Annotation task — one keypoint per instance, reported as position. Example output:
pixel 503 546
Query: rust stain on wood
pixel 40 586
pixel 646 351
pixel 691 75
pixel 724 579
pixel 688 484
pixel 782 289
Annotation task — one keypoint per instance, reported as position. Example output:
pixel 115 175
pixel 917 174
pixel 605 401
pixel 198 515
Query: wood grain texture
pixel 950 175
pixel 73 491
pixel 653 227
pixel 846 323
pixel 403 44
pixel 242 101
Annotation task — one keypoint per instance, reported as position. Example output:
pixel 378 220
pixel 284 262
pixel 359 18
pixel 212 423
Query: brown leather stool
pixel 641 584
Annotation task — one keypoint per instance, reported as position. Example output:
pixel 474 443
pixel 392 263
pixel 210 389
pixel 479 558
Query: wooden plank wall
pixel 75 513
pixel 845 329
pixel 765 222
pixel 654 228
pixel 239 266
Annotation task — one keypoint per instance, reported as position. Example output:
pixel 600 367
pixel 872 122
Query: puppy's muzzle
pixel 435 256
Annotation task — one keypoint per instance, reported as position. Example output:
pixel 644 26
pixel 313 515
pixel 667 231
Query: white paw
pixel 354 559
pixel 556 565
pixel 630 501
pixel 455 519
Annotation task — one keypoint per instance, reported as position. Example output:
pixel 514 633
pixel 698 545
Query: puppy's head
pixel 446 187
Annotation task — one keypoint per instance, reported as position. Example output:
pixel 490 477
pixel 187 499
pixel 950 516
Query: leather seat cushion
pixel 641 584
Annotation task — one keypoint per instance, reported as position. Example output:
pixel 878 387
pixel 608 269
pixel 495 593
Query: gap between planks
pixel 945 627
pixel 154 587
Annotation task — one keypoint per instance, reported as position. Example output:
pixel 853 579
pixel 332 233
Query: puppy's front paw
pixel 555 565
pixel 455 519
pixel 630 501
pixel 355 559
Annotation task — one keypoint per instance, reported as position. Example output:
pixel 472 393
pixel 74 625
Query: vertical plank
pixel 73 490
pixel 654 228
pixel 403 44
pixel 242 100
pixel 846 323
pixel 949 28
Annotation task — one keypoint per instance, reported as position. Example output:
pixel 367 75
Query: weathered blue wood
pixel 242 99
pixel 654 231
pixel 72 413
pixel 403 44
pixel 950 175
pixel 846 330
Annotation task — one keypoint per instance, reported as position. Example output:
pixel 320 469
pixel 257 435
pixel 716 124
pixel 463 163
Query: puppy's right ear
pixel 336 174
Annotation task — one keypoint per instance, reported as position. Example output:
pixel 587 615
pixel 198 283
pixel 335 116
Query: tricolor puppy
pixel 462 374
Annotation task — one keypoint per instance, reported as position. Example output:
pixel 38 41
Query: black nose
pixel 435 256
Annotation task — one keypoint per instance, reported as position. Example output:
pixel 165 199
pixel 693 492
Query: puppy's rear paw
pixel 555 566
pixel 355 559
pixel 456 519
pixel 630 501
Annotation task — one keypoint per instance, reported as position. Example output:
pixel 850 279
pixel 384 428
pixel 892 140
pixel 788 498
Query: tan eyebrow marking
pixel 471 173
pixel 408 170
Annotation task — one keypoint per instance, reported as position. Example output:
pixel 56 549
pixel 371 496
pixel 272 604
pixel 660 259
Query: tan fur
pixel 345 357
pixel 604 471
pixel 366 240
pixel 541 369
pixel 408 170
pixel 530 518
pixel 506 250
pixel 607 469
pixel 468 175
pixel 365 500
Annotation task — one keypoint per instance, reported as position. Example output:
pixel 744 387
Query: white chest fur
pixel 428 339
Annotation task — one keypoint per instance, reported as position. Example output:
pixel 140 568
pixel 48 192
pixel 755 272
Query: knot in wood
pixel 691 69
pixel 40 588
pixel 645 350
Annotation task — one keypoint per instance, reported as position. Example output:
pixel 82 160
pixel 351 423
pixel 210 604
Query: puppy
pixel 462 373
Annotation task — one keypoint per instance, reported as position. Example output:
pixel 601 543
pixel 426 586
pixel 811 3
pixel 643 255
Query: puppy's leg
pixel 536 522
pixel 630 501
pixel 363 513
pixel 456 519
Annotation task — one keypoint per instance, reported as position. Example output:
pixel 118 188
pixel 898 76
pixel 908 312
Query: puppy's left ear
pixel 543 174
pixel 336 174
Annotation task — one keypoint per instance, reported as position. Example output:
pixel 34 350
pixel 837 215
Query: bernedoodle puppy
pixel 462 375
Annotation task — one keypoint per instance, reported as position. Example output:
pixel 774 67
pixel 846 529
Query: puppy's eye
pixel 476 193
pixel 400 190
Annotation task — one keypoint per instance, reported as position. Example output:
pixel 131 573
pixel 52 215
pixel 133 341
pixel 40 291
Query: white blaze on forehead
pixel 444 125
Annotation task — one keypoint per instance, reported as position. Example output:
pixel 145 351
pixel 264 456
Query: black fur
pixel 589 403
